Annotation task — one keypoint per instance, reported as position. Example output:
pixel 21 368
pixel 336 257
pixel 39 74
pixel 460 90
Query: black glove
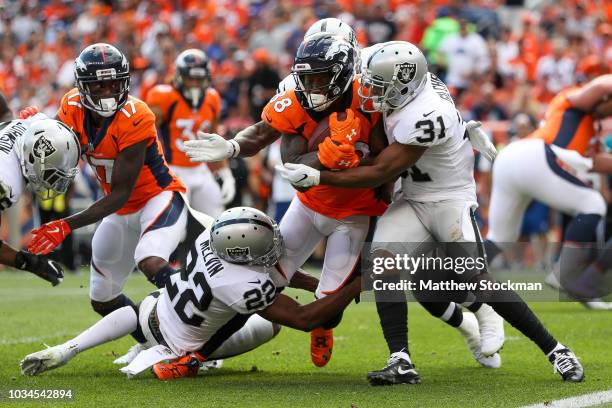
pixel 47 269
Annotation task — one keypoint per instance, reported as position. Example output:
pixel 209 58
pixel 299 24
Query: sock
pixel 114 325
pixel 473 307
pixel 448 312
pixel 518 314
pixel 402 354
pixel 120 301
pixel 583 228
pixel 394 322
pixel 162 276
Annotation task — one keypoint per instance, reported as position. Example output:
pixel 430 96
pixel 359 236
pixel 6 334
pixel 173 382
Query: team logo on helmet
pixel 238 252
pixel 43 148
pixel 405 72
pixel 337 47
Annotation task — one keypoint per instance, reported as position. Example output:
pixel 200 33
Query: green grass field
pixel 280 374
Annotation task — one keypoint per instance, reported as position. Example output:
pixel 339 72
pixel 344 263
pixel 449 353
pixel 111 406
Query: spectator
pixel 464 54
pixel 488 108
pixel 555 70
pixel 262 83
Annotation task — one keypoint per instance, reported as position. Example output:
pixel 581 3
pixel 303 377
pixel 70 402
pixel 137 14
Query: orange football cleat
pixel 321 344
pixel 186 366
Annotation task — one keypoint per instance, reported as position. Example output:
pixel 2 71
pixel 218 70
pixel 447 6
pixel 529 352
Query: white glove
pixel 299 175
pixel 580 164
pixel 228 185
pixel 480 140
pixel 210 147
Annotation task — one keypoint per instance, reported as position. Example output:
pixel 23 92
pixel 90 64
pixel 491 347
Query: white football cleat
pixel 130 355
pixel 45 360
pixel 491 326
pixel 469 331
pixel 211 365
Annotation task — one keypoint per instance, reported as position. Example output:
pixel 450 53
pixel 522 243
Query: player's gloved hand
pixel 228 185
pixel 45 268
pixel 49 236
pixel 344 131
pixel 580 165
pixel 210 147
pixel 28 111
pixel 337 156
pixel 480 140
pixel 299 175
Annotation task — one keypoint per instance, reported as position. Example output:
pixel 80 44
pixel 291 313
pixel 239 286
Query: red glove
pixel 49 236
pixel 28 111
pixel 337 157
pixel 345 131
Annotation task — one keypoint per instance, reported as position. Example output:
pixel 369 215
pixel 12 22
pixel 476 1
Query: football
pixel 321 132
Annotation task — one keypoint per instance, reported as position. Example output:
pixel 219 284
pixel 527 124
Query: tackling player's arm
pixel 592 94
pixel 288 312
pixel 388 165
pixel 126 169
pixel 302 280
pixel 5 112
pixel 294 149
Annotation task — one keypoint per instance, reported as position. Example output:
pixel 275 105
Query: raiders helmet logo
pixel 238 253
pixel 42 148
pixel 405 72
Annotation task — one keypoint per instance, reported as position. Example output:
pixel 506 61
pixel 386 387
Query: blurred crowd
pixel 503 60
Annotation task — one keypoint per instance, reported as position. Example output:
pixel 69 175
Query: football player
pixel 42 154
pixel 226 302
pixel 212 148
pixel 549 166
pixel 143 212
pixel 429 148
pixel 188 106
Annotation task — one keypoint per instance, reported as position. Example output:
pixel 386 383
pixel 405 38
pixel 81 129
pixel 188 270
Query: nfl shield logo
pixel 405 72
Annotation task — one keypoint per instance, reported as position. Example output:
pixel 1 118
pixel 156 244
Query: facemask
pixel 319 102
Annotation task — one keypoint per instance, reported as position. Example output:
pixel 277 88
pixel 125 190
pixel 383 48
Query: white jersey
pixel 12 182
pixel 211 299
pixel 289 83
pixel 445 171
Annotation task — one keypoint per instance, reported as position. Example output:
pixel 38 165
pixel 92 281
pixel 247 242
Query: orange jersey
pixel 566 126
pixel 132 124
pixel 285 114
pixel 182 122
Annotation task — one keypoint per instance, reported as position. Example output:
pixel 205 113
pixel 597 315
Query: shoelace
pixel 563 362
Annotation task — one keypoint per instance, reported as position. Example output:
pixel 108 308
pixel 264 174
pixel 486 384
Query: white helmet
pixel 338 28
pixel 49 155
pixel 392 77
pixel 245 235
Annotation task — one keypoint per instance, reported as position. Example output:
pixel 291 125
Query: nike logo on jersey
pixel 257 282
pixel 427 114
pixel 137 122
pixel 268 119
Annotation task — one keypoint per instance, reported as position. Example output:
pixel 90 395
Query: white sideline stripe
pixel 586 400
pixel 35 339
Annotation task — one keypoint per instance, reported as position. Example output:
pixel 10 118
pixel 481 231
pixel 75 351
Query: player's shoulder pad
pixel 247 291
pixel 161 95
pixel 71 101
pixel 284 112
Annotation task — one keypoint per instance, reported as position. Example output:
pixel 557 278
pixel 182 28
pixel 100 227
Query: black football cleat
pixel 397 371
pixel 566 363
